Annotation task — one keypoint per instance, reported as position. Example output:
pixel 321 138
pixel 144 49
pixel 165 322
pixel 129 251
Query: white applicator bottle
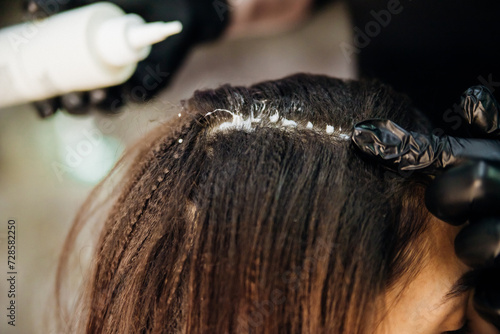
pixel 85 48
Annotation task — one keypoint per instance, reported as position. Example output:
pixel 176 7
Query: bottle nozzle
pixel 127 39
pixel 140 36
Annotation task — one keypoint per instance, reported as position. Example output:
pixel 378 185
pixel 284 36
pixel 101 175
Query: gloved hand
pixel 469 189
pixel 202 20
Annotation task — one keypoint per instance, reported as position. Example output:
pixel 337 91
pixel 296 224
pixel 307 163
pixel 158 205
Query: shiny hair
pixel 253 213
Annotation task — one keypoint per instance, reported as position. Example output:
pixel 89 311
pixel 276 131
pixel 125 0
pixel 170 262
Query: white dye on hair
pixel 287 122
pixel 249 123
pixel 274 118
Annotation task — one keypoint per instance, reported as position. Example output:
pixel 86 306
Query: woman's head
pixel 253 213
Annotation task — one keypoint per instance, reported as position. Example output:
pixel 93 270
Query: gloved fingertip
pixel 380 137
pixel 109 100
pixel 481 110
pixel 75 103
pixel 33 9
pixel 30 7
pixel 367 132
pixel 479 92
pixel 47 107
pixel 97 96
pixel 364 136
pixel 477 244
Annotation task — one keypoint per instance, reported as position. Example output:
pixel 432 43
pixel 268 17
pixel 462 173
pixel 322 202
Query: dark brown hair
pixel 270 223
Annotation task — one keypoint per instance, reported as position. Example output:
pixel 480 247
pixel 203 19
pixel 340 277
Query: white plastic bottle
pixel 81 49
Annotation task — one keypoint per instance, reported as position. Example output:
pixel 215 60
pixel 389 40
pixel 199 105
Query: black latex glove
pixel 202 20
pixel 469 189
